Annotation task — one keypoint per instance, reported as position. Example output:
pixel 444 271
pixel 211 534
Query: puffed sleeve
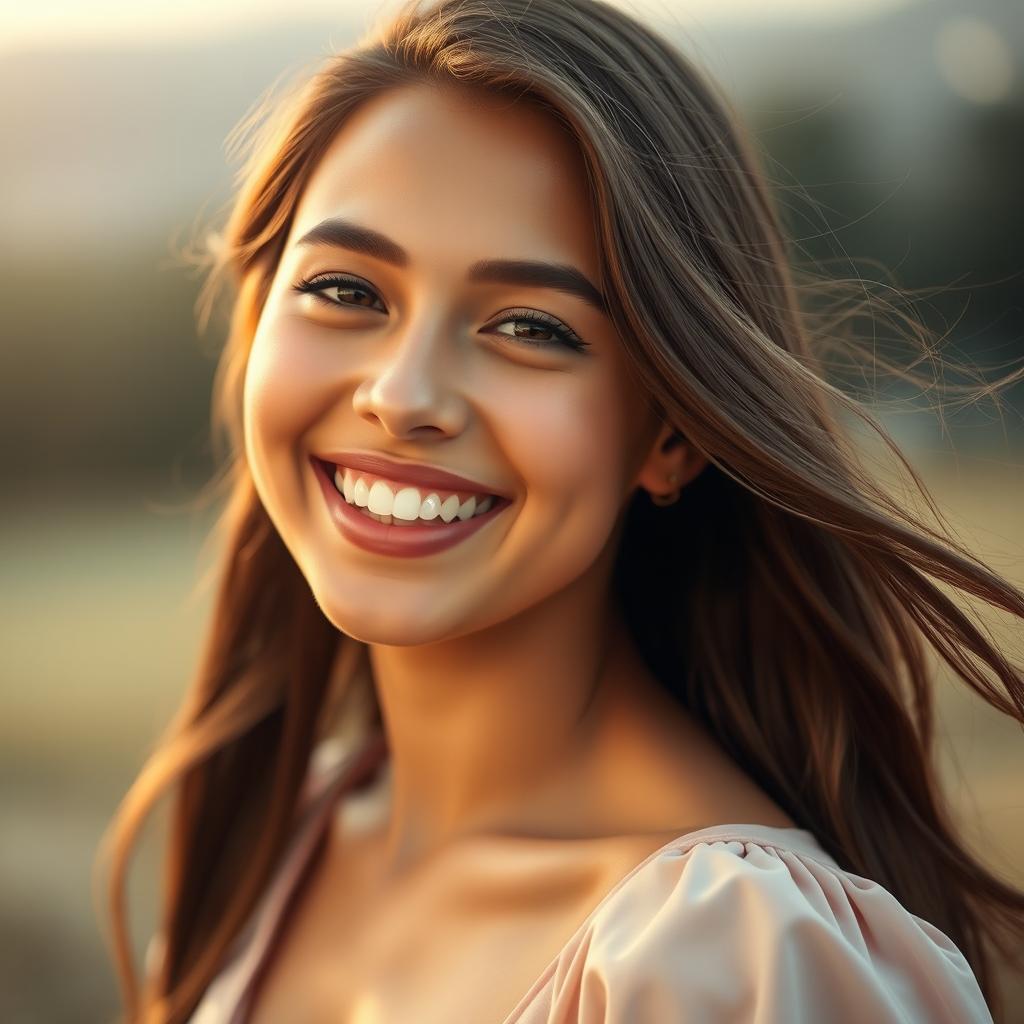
pixel 739 931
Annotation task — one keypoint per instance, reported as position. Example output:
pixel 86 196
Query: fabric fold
pixel 726 930
pixel 728 924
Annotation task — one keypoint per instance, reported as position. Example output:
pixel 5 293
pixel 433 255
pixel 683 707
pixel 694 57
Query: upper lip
pixel 414 473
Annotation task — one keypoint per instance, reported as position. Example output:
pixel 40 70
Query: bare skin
pixel 525 731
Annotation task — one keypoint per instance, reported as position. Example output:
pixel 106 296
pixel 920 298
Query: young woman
pixel 532 450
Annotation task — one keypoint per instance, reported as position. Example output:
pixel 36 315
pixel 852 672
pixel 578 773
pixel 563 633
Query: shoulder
pixel 760 923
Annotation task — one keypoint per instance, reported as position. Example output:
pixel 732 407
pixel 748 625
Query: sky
pixel 78 23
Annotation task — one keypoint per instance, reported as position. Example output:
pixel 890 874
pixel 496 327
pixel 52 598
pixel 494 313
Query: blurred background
pixel 895 134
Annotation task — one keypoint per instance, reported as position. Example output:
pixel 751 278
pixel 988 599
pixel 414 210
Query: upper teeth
pixel 407 503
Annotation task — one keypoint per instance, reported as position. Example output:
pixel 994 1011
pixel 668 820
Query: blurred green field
pixel 100 636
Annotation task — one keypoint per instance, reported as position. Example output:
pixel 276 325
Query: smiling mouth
pixel 397 504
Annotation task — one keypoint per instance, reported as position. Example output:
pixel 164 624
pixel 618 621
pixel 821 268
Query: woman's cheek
pixel 567 436
pixel 279 407
pixel 282 385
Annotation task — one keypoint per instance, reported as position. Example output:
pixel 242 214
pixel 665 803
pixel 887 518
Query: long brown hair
pixel 786 600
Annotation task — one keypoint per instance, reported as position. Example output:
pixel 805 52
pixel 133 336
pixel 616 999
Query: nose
pixel 412 390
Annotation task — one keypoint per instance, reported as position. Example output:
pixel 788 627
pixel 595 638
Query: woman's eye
pixel 540 324
pixel 352 292
pixel 340 286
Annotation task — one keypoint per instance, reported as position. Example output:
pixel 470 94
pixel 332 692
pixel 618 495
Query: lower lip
pixel 387 539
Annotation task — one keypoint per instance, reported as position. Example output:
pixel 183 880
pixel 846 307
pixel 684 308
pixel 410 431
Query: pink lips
pixel 407 541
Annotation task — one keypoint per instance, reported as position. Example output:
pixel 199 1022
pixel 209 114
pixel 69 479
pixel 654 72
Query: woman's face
pixel 417 359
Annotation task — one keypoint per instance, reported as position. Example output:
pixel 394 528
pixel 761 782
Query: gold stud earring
pixel 662 500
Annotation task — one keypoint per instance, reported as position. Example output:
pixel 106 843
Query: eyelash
pixel 566 335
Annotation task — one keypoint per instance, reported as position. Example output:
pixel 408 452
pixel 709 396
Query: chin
pixel 390 623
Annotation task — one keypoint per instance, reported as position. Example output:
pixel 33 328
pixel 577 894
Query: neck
pixel 496 732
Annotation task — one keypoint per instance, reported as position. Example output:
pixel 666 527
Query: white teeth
pixel 381 499
pixel 406 506
pixel 430 507
pixel 361 493
pixel 450 508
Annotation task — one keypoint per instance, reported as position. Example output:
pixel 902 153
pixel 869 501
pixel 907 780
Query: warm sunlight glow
pixel 73 24
pixel 974 60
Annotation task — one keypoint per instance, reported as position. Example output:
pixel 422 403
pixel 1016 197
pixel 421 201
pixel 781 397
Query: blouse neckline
pixel 356 765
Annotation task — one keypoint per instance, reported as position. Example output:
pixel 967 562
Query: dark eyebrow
pixel 529 273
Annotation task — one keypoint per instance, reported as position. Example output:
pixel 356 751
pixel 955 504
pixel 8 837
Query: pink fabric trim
pixel 732 923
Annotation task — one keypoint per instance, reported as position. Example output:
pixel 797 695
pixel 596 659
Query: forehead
pixel 457 175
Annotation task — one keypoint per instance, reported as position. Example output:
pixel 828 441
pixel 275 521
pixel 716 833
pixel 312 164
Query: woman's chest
pixel 464 942
pixel 436 979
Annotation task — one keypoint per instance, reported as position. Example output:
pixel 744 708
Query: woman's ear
pixel 671 463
